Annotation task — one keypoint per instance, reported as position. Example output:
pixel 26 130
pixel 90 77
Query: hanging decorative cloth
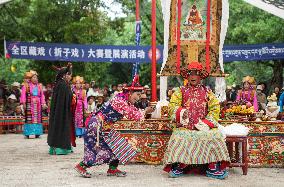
pixel 194 35
pixel 178 36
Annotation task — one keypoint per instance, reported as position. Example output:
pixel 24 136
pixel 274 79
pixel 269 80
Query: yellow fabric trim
pixel 213 107
pixel 175 103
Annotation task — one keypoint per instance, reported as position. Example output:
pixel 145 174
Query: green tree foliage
pixel 145 16
pixel 250 25
pixel 61 21
pixel 12 70
pixel 84 22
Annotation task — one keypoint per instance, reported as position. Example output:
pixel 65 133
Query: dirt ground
pixel 26 162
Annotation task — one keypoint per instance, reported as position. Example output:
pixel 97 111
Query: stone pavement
pixel 25 162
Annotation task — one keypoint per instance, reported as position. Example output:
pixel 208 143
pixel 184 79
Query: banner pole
pixel 154 71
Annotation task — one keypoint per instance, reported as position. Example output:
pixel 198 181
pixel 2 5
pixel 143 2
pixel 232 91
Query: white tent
pixel 4 1
pixel 275 7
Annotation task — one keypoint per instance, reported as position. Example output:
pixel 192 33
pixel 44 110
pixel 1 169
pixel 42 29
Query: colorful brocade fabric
pixel 196 147
pixel 81 105
pixel 32 96
pixel 113 110
pixel 200 102
pixel 188 145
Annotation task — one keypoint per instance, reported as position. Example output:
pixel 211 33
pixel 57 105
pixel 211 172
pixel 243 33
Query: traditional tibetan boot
pixel 113 171
pixel 116 172
pixel 176 171
pixel 81 168
pixel 215 172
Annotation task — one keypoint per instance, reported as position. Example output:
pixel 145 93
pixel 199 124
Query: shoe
pixel 217 174
pixel 82 171
pixel 116 172
pixel 51 151
pixel 175 173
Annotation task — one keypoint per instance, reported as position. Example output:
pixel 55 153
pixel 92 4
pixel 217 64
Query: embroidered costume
pixel 196 141
pixel 248 94
pixel 81 105
pixel 33 99
pixel 96 150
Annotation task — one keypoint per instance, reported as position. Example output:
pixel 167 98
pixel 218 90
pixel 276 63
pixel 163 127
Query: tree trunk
pixel 277 79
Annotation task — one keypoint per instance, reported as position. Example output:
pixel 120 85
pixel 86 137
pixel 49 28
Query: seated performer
pixel 61 129
pixel 247 95
pixel 196 141
pixel 122 105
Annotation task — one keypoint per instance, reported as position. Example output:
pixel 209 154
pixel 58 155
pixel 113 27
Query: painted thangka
pixel 193 35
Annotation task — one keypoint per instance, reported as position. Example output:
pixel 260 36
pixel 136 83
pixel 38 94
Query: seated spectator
pixel 1 107
pixel 3 89
pixel 231 93
pixel 16 90
pixel 106 92
pixel 147 91
pixel 277 92
pixel 118 90
pixel 264 88
pixel 48 92
pixel 113 88
pixel 261 98
pixel 94 91
pixel 86 87
pixel 18 110
pixel 99 101
pixel 10 105
pixel 169 94
pixel 124 85
pixel 91 104
pixel 143 102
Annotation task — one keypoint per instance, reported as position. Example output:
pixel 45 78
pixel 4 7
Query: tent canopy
pixel 275 7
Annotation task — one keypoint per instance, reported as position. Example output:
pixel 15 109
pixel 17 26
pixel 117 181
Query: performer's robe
pixel 61 131
pixel 187 145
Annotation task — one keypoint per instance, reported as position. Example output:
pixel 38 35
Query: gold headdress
pixel 249 79
pixel 33 73
pixel 30 74
pixel 78 78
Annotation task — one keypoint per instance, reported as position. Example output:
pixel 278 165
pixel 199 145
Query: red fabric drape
pixel 208 36
pixel 73 134
pixel 178 36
